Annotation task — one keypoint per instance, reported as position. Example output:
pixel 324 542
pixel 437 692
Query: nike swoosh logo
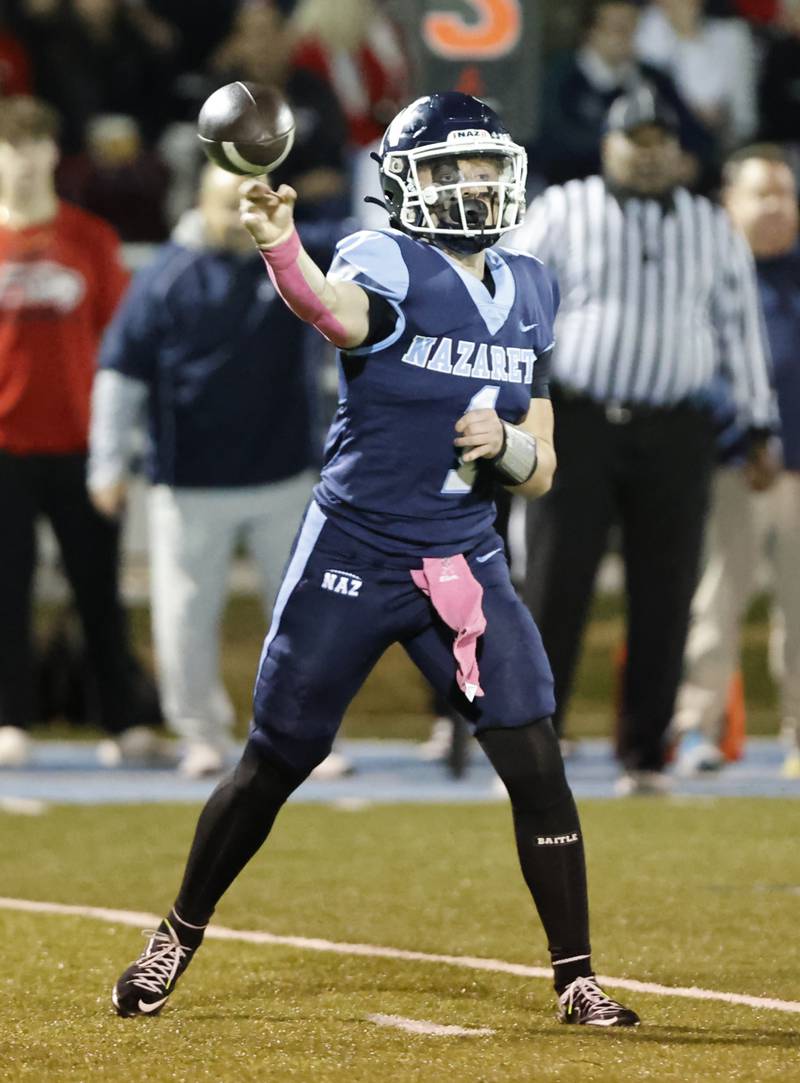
pixel 527 326
pixel 154 1006
pixel 488 556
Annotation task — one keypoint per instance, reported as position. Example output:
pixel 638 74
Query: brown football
pixel 246 128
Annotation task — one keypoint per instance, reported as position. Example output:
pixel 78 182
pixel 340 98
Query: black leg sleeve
pixel 549 840
pixel 234 824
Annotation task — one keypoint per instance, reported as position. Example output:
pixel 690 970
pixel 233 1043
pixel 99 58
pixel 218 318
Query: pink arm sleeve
pixel 290 282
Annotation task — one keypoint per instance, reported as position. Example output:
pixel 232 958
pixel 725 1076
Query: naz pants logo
pixel 342 583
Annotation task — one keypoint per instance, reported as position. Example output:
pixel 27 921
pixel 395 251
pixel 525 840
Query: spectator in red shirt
pixel 15 65
pixel 118 177
pixel 763 12
pixel 358 50
pixel 60 281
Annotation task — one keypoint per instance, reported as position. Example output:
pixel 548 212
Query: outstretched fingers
pixel 259 193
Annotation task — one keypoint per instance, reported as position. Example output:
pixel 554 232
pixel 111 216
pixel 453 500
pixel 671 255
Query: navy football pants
pixel 342 603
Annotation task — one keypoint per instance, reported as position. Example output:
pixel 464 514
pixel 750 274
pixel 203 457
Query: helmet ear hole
pixel 392 191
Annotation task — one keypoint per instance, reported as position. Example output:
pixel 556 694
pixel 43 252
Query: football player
pixel 444 344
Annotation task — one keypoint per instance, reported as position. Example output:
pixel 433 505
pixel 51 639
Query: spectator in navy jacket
pixel 204 346
pixel 760 193
pixel 778 97
pixel 580 87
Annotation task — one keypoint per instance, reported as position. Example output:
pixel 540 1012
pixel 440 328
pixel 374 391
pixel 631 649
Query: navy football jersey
pixel 392 475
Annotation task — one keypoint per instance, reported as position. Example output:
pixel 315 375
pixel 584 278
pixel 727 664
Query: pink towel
pixel 457 597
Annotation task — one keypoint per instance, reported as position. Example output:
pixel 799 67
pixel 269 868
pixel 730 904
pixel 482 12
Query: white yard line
pixel 422 1026
pixel 468 962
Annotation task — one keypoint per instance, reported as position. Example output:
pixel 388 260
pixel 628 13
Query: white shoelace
pixel 593 994
pixel 157 966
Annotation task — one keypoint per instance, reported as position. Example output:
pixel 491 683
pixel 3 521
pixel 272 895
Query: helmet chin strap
pixel 464 246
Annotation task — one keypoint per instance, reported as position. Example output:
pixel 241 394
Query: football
pixel 246 128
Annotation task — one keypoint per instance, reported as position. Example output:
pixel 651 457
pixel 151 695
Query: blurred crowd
pixel 730 69
pixel 118 85
pixel 128 78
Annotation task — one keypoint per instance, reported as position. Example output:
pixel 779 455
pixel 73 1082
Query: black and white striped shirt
pixel 656 299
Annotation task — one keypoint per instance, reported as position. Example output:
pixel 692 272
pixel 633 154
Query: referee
pixel 658 297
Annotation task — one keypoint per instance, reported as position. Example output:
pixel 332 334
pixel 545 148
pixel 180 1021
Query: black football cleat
pixel 145 986
pixel 583 1001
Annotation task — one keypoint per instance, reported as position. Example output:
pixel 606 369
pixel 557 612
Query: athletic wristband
pixel 518 457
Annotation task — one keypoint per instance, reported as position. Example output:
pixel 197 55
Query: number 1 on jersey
pixel 463 477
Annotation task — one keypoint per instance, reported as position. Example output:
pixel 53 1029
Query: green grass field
pixel 685 893
pixel 693 893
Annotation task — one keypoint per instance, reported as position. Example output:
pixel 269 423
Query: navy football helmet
pixel 451 173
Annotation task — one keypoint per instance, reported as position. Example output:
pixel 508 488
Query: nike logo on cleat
pixel 152 1007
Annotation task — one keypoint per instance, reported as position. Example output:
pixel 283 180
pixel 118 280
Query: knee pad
pixel 261 776
pixel 293 757
pixel 528 760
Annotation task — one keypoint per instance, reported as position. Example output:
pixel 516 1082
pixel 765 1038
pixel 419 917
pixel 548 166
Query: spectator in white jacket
pixel 711 61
